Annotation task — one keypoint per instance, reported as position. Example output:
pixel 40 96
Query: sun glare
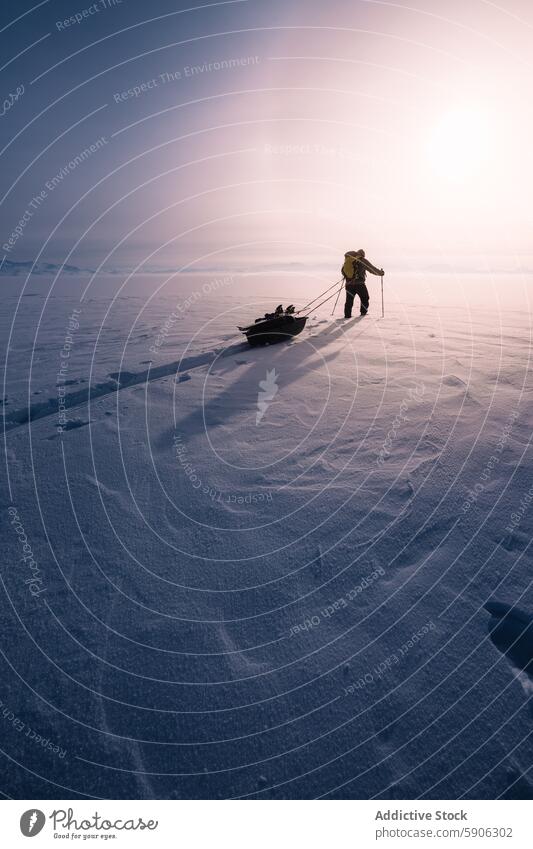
pixel 459 144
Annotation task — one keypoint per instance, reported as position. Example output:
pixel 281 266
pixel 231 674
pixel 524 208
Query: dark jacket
pixel 361 266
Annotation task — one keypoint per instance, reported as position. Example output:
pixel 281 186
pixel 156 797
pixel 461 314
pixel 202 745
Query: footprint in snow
pixel 72 424
pixel 453 380
pixel 511 631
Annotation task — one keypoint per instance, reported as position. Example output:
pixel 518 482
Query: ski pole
pixel 382 301
pixel 338 296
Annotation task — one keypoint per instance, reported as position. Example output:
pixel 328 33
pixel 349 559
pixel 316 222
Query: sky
pixel 253 134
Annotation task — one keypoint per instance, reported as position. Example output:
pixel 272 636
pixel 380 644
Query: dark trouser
pixel 353 289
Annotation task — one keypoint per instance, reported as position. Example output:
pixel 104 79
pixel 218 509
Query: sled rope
pixel 319 296
pixel 323 302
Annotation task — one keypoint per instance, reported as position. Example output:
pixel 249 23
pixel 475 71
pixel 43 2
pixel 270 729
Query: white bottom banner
pixel 265 824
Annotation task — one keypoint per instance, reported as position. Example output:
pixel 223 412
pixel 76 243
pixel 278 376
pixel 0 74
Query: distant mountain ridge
pixel 17 269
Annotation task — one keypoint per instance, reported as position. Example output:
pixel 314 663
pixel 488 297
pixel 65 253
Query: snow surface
pixel 291 572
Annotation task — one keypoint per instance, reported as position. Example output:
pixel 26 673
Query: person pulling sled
pixel 354 274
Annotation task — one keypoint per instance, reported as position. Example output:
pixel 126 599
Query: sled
pixel 279 326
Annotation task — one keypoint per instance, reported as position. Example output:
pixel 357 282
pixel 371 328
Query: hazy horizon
pixel 181 137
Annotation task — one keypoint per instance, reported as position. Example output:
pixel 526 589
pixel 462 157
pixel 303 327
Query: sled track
pixel 118 380
pixel 124 379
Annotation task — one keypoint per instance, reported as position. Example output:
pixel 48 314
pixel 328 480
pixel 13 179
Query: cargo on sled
pixel 278 326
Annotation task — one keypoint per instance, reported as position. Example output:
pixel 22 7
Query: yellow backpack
pixel 350 263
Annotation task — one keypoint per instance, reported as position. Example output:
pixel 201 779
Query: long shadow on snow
pixel 125 379
pixel 295 354
pixel 119 380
